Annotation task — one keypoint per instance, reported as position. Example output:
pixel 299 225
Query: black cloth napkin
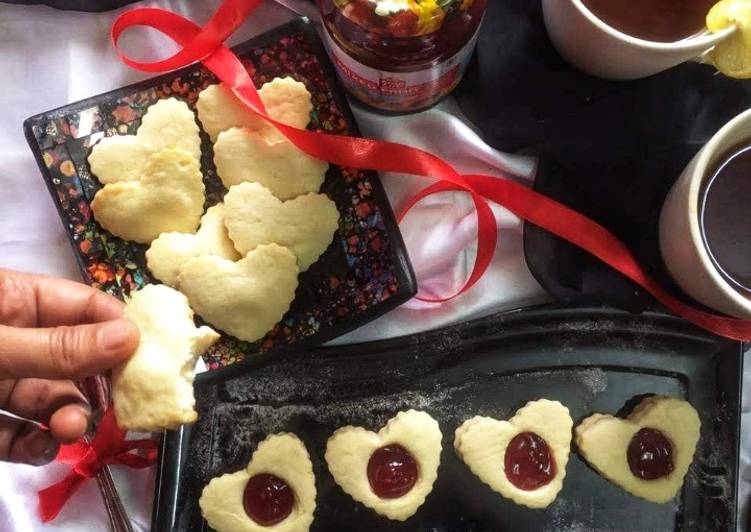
pixel 611 150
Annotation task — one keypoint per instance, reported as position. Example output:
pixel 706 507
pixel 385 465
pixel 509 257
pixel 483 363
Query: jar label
pixel 399 91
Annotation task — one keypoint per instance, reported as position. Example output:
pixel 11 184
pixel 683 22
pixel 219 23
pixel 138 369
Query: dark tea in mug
pixel 725 217
pixel 653 20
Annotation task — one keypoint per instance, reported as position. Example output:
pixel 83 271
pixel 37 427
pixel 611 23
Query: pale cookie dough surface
pixel 242 155
pixel 285 99
pixel 153 390
pixel 169 196
pixel 245 298
pixel 306 224
pixel 603 441
pixel 349 449
pixel 166 124
pixel 282 455
pixel 481 443
pixel 170 251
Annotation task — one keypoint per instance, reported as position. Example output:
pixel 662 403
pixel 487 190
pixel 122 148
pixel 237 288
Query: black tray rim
pixel 516 323
pixel 404 271
pixel 91 6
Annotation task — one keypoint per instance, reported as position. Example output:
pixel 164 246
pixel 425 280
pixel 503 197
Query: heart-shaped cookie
pixel 166 124
pixel 153 389
pixel 167 197
pixel 524 459
pixel 392 471
pixel 276 491
pixel 170 251
pixel 242 155
pixel 285 100
pixel 245 298
pixel 306 224
pixel 649 452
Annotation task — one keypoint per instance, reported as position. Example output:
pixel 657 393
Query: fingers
pixel 70 423
pixel 28 300
pixel 62 302
pixel 22 443
pixel 36 447
pixel 58 404
pixel 66 352
pixel 17 300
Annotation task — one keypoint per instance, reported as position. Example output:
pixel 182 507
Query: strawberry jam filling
pixel 528 463
pixel 392 472
pixel 268 499
pixel 650 455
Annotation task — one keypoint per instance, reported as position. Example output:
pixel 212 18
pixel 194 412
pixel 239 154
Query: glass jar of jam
pixel 401 55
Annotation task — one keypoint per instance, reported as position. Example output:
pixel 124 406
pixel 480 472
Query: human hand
pixel 51 331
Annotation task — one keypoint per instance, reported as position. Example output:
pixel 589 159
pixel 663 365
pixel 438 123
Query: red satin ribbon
pixel 382 156
pixel 109 446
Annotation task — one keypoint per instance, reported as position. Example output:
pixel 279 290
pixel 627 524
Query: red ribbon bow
pixel 109 446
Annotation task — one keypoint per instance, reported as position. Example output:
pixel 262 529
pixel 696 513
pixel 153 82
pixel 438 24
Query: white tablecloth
pixel 50 58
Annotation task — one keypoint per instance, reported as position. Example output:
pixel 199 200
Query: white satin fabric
pixel 441 231
pixel 50 58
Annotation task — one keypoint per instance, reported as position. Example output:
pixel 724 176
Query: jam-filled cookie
pixel 649 452
pixel 277 491
pixel 391 471
pixel 524 459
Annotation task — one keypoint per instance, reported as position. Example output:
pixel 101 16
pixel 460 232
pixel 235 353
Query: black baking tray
pixel 592 360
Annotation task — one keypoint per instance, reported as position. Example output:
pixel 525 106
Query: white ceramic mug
pixel 681 242
pixel 592 46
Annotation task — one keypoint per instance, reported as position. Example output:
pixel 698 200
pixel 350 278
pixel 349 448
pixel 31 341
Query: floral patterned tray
pixel 363 274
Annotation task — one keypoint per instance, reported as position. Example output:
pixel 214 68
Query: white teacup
pixel 592 46
pixel 681 242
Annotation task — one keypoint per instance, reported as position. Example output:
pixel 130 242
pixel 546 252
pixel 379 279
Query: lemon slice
pixel 429 15
pixel 732 56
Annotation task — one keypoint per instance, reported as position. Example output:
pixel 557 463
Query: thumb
pixel 66 352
